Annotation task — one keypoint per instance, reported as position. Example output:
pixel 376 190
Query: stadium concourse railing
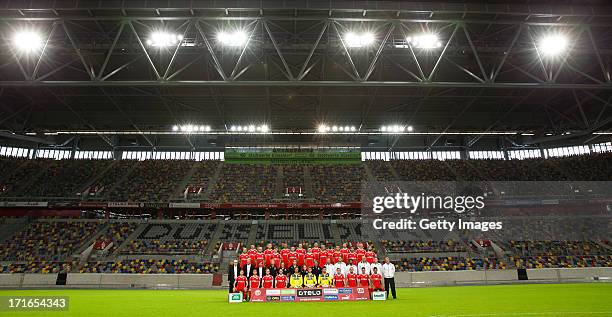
pixel 403 279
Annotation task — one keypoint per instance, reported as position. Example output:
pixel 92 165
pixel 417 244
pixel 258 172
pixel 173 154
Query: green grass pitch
pixel 500 300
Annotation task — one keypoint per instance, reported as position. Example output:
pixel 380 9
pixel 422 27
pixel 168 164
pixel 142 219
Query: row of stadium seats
pixel 159 180
pixel 417 246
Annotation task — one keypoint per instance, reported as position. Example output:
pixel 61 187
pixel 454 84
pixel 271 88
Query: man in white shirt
pixel 349 266
pixel 376 265
pixel 330 268
pixel 388 273
pixel 364 264
pixel 340 265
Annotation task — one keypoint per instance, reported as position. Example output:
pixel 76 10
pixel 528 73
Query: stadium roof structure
pixel 96 73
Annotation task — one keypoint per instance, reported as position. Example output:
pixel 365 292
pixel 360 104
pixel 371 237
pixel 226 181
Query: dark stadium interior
pixel 120 157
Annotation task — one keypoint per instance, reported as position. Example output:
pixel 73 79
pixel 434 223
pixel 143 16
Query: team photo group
pixel 345 266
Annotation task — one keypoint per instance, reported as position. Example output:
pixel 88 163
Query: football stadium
pixel 305 157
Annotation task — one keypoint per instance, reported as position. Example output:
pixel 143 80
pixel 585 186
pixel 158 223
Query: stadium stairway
pixel 31 180
pixel 210 248
pixel 369 175
pixel 119 182
pixel 87 243
pixel 12 226
pixel 279 190
pixel 308 187
pixel 180 188
pixel 83 189
pixel 212 183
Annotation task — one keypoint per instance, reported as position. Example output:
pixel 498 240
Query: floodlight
pixel 424 41
pixel 553 45
pixel 175 128
pixel 163 39
pixel 27 41
pixel 358 40
pixel 265 128
pixel 335 129
pixel 322 128
pixel 237 38
pixel 409 128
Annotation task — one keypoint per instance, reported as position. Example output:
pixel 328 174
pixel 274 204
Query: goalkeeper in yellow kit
pixel 325 279
pixel 310 280
pixel 296 280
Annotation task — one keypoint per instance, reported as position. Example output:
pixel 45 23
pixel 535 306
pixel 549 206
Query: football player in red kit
pixel 301 253
pixel 339 278
pixel 376 281
pixel 323 257
pixel 254 282
pixel 260 258
pixel 345 251
pixel 240 284
pixel 351 278
pixel 309 259
pixel 281 279
pixel 370 255
pixel 243 257
pixel 268 280
pixel 268 254
pixel 364 278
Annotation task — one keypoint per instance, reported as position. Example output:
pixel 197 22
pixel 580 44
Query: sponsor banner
pixel 123 204
pixel 258 295
pixel 24 204
pixel 272 298
pixel 273 292
pixel 309 292
pixel 235 298
pixel 330 291
pixel 93 204
pixel 281 206
pixel 154 205
pixel 184 205
pixel 345 290
pixel 379 295
pixel 361 293
pixel 287 298
pixel 330 297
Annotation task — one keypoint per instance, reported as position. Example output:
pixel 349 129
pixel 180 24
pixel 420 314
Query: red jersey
pixel 337 255
pixel 254 281
pixel 241 282
pixel 339 280
pixel 370 256
pixel 243 259
pixel 315 250
pixel 309 259
pixel 322 259
pixel 293 256
pixel 301 253
pixel 360 252
pixel 284 253
pixel 259 259
pixel 277 259
pixel 268 281
pixel 364 280
pixel 281 281
pixel 345 252
pixel 376 281
pixel 352 279
pixel 268 255
pixel 352 256
pixel 253 255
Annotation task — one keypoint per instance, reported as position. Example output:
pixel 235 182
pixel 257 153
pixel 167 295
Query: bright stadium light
pixel 175 128
pixel 164 39
pixel 358 40
pixel 553 45
pixel 237 38
pixel 409 128
pixel 265 128
pixel 322 128
pixel 424 41
pixel 27 41
pixel 395 129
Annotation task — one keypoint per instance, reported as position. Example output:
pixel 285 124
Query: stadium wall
pixel 403 279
